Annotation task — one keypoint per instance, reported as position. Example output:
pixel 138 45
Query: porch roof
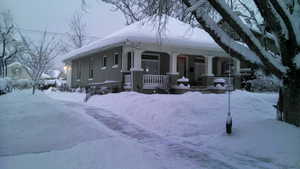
pixel 176 34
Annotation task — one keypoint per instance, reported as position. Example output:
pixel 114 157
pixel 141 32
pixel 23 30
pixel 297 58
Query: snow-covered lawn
pixel 37 132
pixel 134 131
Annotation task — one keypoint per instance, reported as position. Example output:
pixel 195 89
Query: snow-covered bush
pixel 6 84
pixel 3 84
pixel 22 83
pixel 80 90
pixel 263 83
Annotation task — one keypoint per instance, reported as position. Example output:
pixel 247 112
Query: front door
pixel 182 66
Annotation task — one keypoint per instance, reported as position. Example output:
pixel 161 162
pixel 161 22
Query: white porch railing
pixel 155 81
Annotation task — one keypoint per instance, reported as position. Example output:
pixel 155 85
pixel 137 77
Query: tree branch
pixel 247 36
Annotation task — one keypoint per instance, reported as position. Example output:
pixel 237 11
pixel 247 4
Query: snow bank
pixel 183 79
pixel 38 124
pixel 39 132
pixel 199 119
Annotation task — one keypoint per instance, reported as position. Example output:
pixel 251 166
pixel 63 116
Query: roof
pixel 16 63
pixel 176 34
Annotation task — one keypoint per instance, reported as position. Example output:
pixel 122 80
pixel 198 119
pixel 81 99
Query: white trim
pixel 90 79
pixel 136 69
pixel 172 73
pixel 115 66
pixel 151 54
pixel 103 62
pixel 116 53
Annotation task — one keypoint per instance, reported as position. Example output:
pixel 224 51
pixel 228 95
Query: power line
pixel 51 32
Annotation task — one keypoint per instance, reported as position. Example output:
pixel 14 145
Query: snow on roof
pixel 54 73
pixel 15 63
pixel 45 76
pixel 176 34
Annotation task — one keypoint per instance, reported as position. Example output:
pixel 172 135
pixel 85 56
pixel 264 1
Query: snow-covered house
pixel 139 59
pixel 17 71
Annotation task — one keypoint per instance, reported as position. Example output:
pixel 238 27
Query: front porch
pixel 150 70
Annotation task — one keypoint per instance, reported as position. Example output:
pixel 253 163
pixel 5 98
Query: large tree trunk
pixel 291 98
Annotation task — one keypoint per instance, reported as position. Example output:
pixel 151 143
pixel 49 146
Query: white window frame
pixel 116 64
pixel 104 66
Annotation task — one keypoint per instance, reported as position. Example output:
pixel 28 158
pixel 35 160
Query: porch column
pixel 173 74
pixel 137 71
pixel 173 63
pixel 137 60
pixel 209 67
pixel 238 67
pixel 237 74
pixel 124 58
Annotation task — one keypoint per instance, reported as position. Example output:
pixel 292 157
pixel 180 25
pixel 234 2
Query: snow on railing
pixel 155 81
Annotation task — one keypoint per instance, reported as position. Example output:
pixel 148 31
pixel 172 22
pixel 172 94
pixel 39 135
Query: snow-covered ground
pixel 133 130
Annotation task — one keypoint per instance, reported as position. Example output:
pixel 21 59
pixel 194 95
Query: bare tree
pixel 77 35
pixel 38 57
pixel 281 17
pixel 9 45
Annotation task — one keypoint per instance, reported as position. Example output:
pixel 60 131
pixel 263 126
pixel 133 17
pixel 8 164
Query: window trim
pixel 129 64
pixel 91 68
pixel 104 65
pixel 78 75
pixel 116 64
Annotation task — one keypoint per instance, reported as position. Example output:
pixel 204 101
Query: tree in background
pixel 38 57
pixel 77 37
pixel 279 19
pixel 9 45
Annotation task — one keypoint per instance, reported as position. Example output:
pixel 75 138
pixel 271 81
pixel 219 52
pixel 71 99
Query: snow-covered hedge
pixel 263 83
pixel 3 84
pixel 22 83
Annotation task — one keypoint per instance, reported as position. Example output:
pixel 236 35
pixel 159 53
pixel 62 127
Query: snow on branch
pixel 227 43
pixel 248 37
pixel 282 11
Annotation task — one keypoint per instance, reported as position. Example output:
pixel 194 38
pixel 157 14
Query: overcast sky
pixel 54 15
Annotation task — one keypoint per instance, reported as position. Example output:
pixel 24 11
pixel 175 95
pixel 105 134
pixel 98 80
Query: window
pixel 78 71
pixel 104 63
pixel 116 58
pixel 91 69
pixel 128 60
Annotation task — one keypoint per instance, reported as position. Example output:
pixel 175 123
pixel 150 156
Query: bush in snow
pixel 263 83
pixel 3 84
pixel 80 90
pixel 22 84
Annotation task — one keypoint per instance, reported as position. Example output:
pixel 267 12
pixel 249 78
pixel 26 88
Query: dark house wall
pixel 95 62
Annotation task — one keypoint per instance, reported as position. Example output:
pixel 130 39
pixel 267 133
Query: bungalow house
pixel 139 59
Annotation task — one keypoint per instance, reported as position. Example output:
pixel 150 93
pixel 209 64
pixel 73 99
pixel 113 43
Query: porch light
pixel 66 68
